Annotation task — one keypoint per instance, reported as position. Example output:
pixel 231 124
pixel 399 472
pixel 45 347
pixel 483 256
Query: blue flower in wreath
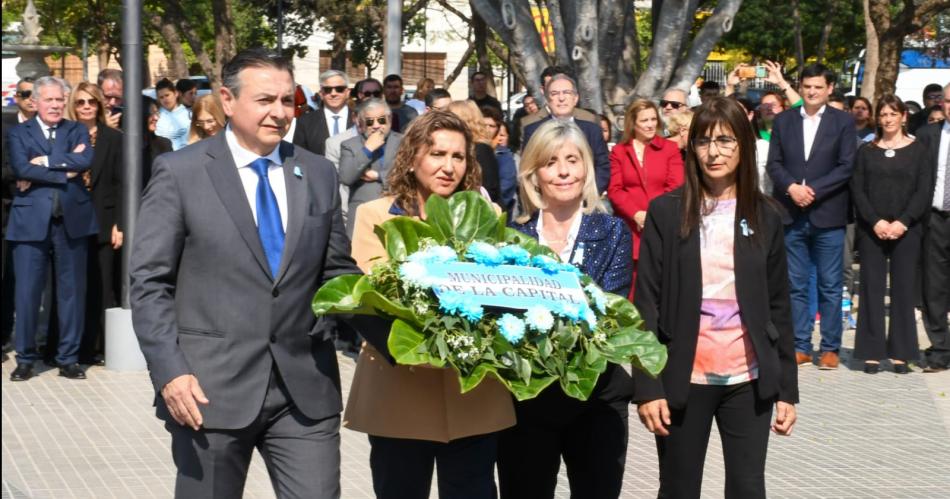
pixel 539 318
pixel 471 311
pixel 571 311
pixel 596 294
pixel 589 316
pixel 456 304
pixel 511 327
pixel 434 254
pixel 515 255
pixel 546 263
pixel 484 253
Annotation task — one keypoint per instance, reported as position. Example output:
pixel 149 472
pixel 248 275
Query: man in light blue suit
pixel 51 209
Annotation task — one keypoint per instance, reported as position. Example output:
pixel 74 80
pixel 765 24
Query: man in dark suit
pixel 235 235
pixel 366 158
pixel 936 249
pixel 811 156
pixel 331 118
pixel 561 94
pixel 51 210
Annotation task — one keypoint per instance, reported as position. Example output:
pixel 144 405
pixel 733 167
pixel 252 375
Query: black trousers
pixel 936 287
pixel 6 297
pixel 402 468
pixel 900 258
pixel 743 420
pixel 590 435
pixel 100 295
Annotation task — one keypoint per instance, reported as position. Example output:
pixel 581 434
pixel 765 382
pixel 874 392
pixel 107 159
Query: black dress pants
pixel 100 295
pixel 402 468
pixel 590 435
pixel 936 287
pixel 877 257
pixel 743 421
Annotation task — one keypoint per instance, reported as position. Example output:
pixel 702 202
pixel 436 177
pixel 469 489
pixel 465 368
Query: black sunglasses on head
pixel 676 105
pixel 24 94
pixel 338 89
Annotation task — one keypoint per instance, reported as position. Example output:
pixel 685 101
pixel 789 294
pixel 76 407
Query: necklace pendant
pixel 889 153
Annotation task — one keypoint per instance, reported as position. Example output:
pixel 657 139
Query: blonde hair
pixel 679 121
pixel 630 117
pixel 96 93
pixel 544 144
pixel 210 104
pixel 472 116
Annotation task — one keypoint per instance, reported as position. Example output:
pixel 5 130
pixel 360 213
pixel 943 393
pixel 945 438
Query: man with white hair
pixel 331 118
pixel 366 158
pixel 52 211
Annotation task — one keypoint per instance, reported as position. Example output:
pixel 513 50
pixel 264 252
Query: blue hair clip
pixel 746 231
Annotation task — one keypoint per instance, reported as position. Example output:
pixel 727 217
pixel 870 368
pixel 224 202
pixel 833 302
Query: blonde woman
pixel 484 152
pixel 207 118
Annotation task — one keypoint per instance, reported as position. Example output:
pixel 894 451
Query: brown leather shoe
pixel 802 358
pixel 828 361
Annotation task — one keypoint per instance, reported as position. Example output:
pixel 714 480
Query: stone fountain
pixel 32 54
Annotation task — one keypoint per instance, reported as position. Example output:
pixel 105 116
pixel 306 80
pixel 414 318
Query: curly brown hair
pixel 402 183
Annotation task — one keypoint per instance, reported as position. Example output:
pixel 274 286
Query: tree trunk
pixel 338 54
pixel 719 23
pixel 480 30
pixel 666 41
pixel 561 54
pixel 889 52
pixel 891 32
pixel 175 14
pixel 586 56
pixel 799 45
pixel 826 32
pixel 177 64
pixel 225 40
pixel 871 59
pixel 502 53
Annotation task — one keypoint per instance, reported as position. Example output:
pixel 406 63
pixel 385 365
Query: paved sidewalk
pixel 858 436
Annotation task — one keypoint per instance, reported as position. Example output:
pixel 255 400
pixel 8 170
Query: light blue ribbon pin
pixel 746 231
pixel 297 172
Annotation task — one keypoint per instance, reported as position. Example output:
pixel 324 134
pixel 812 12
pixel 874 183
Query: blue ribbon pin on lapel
pixel 297 172
pixel 746 231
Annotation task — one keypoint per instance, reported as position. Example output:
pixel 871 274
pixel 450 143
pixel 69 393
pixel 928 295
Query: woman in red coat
pixel 642 166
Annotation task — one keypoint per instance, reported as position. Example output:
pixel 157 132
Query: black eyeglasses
pixel 338 89
pixel 725 143
pixel 375 93
pixel 676 105
pixel 371 121
pixel 24 94
pixel 83 102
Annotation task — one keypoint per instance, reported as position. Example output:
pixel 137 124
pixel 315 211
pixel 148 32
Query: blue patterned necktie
pixel 336 124
pixel 269 226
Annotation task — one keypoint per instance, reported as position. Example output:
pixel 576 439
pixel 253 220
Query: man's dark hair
pixel 814 70
pixel 492 112
pixel 360 84
pixel 436 94
pixel 392 77
pixel 25 79
pixel 185 84
pixel 109 74
pixel 933 87
pixel 164 84
pixel 836 97
pixel 476 73
pixel 709 85
pixel 553 70
pixel 252 58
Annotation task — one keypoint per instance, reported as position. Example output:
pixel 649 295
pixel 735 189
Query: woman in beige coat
pixel 416 416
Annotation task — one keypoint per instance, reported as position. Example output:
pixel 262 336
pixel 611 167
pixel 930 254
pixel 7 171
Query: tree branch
pixel 716 25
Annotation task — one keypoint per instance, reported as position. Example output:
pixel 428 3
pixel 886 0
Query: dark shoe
pixel 828 361
pixel 934 369
pixel 802 358
pixel 97 360
pixel 22 372
pixel 872 367
pixel 72 371
pixel 901 368
pixel 51 362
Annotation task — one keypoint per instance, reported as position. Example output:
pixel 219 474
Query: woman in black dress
pixel 891 187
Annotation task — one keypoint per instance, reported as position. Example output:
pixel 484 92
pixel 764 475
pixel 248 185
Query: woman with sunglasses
pixel 642 166
pixel 104 181
pixel 713 285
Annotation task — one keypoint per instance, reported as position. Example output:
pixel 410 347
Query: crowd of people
pixel 731 225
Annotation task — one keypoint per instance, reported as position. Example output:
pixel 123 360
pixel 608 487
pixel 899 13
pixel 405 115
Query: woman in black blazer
pixel 713 285
pixel 104 181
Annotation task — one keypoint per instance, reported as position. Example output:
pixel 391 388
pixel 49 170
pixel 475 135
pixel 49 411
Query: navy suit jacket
pixel 595 138
pixel 31 210
pixel 827 171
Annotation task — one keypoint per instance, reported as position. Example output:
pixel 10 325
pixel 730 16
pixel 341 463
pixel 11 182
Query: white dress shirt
pixel 942 165
pixel 243 159
pixel 571 235
pixel 341 117
pixel 46 129
pixel 810 128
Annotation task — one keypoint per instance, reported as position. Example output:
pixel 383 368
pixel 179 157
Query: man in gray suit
pixel 366 158
pixel 235 235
